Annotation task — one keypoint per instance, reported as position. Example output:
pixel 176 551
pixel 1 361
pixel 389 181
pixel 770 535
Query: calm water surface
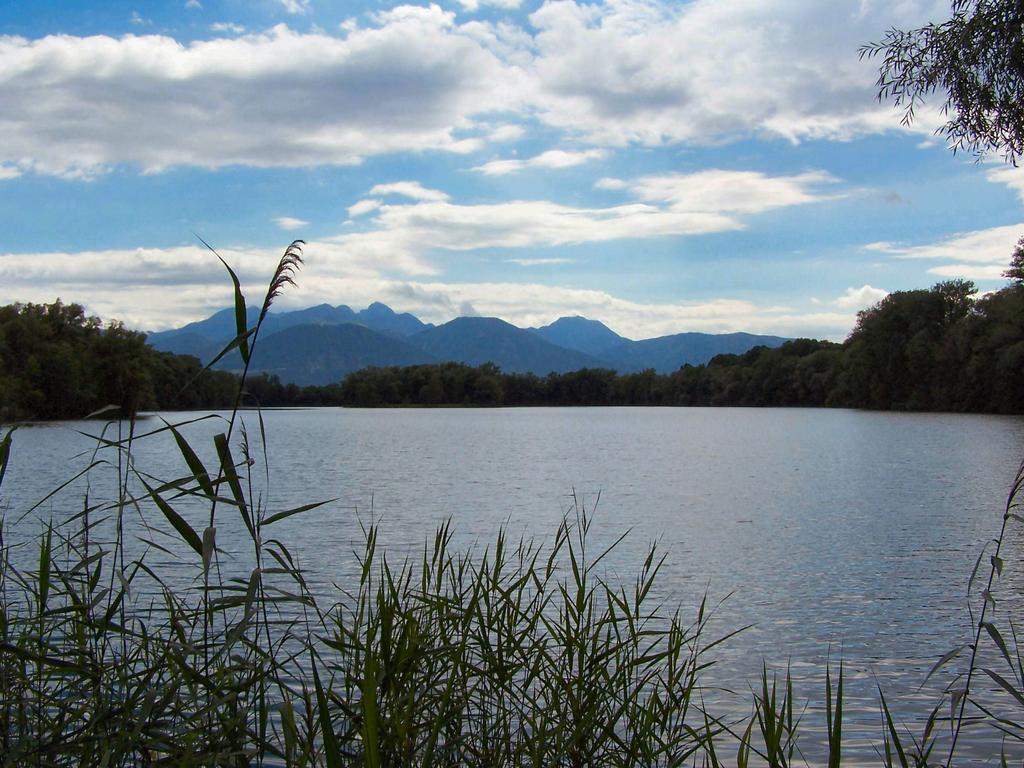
pixel 830 531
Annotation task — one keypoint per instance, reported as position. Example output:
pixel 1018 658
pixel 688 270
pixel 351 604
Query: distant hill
pixel 478 340
pixel 309 346
pixel 324 354
pixel 200 338
pixel 205 338
pixel 666 354
pixel 591 337
pixel 380 317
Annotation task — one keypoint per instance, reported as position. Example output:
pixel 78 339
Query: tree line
pixel 942 349
pixel 938 349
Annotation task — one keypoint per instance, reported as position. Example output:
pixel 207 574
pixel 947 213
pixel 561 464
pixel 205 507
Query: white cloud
pixel 76 106
pixel 363 207
pixel 986 246
pixel 9 172
pixel 636 71
pixel 695 204
pixel 725 191
pixel 980 255
pixel 415 228
pixel 135 18
pixel 970 271
pixel 474 5
pixel 227 27
pixel 553 158
pixel 506 132
pixel 193 4
pixel 414 79
pixel 1011 176
pixel 859 298
pixel 295 7
pixel 288 223
pixel 410 189
pixel 609 183
pixel 539 262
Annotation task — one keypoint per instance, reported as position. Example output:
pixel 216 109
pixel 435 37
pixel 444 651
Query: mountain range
pixel 323 344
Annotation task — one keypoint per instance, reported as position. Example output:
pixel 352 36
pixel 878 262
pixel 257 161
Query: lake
pixel 831 532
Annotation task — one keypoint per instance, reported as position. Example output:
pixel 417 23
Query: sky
pixel 714 165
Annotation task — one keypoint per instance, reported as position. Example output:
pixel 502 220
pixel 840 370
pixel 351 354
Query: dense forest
pixel 940 349
pixel 55 362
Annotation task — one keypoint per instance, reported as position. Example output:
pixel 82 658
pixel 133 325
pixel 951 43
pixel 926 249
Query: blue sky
pixel 717 165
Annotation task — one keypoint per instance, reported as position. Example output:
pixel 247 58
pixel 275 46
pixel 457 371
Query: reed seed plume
pixel 284 275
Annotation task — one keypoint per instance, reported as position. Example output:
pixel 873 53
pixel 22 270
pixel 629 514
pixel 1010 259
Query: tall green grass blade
pixel 177 521
pixel 332 753
pixel 834 718
pixel 743 752
pixel 209 547
pixel 296 511
pixel 997 638
pixel 44 568
pixel 5 453
pixel 241 321
pixel 240 341
pixel 193 461
pixel 371 714
pixel 227 468
pixel 1006 685
pixel 894 735
pixel 946 658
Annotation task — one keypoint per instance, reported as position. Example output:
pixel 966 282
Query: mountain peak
pixel 381 317
pixel 378 308
pixel 580 333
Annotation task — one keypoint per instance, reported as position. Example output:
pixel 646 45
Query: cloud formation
pixel 983 246
pixel 553 158
pixel 474 5
pixel 734 192
pixel 676 204
pixel 416 79
pixel 77 106
pixel 411 189
pixel 714 70
pixel 227 27
pixel 859 298
pixel 542 262
pixel 980 255
pixel 289 223
pixel 1011 176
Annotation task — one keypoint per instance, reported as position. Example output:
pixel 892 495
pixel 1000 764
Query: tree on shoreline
pixel 57 362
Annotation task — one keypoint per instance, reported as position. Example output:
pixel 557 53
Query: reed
pixel 520 653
